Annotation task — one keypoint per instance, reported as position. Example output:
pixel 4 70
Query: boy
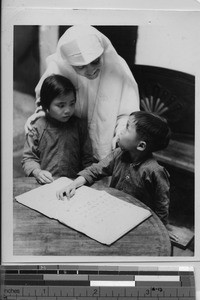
pixel 58 144
pixel 132 166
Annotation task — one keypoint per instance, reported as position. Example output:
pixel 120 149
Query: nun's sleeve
pixel 129 103
pixel 52 68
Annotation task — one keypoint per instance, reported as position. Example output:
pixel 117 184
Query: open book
pixel 97 214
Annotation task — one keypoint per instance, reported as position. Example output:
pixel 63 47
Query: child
pixel 58 144
pixel 132 166
pixel 106 89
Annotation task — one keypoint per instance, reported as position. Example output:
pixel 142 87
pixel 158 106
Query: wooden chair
pixel 171 94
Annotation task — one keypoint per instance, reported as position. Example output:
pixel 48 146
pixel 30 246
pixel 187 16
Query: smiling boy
pixel 58 144
pixel 132 166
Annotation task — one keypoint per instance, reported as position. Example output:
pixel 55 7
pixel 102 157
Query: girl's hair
pixel 152 128
pixel 54 86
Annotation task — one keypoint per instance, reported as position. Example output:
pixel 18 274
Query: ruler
pixel 71 282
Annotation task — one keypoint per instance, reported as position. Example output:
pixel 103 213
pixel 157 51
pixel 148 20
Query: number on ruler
pixel 95 292
pixel 147 292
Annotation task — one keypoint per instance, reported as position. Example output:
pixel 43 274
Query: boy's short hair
pixel 55 86
pixel 153 129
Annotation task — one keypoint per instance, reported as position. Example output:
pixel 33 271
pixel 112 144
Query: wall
pixel 168 47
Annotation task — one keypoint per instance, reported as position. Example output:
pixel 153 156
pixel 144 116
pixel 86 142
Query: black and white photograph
pixel 102 135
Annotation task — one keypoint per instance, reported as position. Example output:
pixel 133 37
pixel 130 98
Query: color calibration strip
pixel 97 282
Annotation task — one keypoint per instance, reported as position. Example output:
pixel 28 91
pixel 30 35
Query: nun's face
pixel 92 70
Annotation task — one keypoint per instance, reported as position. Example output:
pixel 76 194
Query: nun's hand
pixel 32 119
pixel 114 142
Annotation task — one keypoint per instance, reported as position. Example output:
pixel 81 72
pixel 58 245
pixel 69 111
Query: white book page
pixel 99 215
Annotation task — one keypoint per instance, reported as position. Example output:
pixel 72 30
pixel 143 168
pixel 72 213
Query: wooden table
pixel 35 234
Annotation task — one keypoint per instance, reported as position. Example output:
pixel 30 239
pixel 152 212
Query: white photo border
pixel 23 15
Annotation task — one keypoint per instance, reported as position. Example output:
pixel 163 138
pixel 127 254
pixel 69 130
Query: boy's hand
pixel 43 177
pixel 68 192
